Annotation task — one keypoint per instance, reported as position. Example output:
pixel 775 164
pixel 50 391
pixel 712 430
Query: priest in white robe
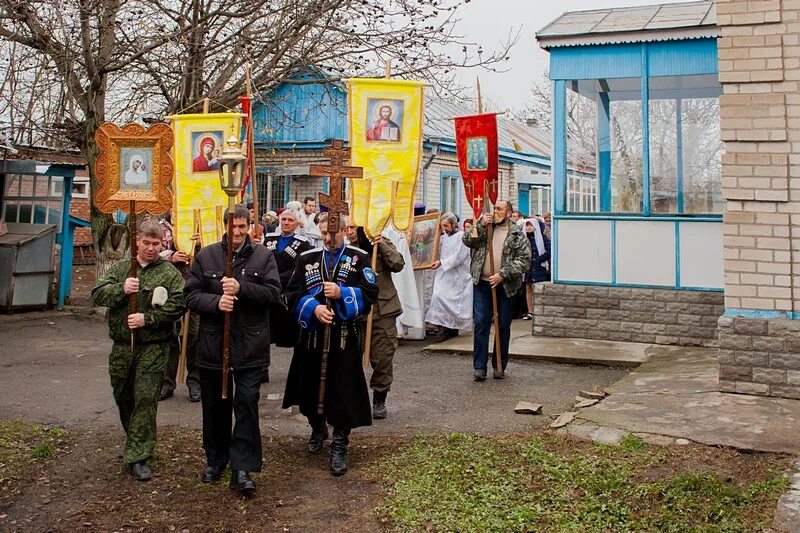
pixel 451 303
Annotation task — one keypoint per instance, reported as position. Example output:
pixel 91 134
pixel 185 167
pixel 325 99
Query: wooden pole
pixel 498 354
pixel 480 100
pixel 368 339
pixel 134 299
pixel 251 153
pixel 205 105
pixel 186 317
pixel 226 339
pixel 323 368
pixel 368 336
pixel 219 219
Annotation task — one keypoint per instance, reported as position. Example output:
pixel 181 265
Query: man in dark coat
pixel 136 374
pixel 248 295
pixel 287 246
pixel 341 274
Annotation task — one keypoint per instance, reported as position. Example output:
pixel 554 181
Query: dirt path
pixel 54 372
pixel 88 489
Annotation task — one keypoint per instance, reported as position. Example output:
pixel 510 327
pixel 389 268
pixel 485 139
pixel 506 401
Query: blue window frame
pixel 655 147
pixel 451 195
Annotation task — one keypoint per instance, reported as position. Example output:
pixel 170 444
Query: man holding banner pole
pixel 501 274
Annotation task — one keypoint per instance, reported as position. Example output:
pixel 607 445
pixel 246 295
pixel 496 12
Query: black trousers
pixel 242 446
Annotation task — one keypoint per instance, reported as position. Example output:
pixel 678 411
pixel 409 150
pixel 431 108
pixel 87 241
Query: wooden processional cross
pixel 336 171
pixel 336 207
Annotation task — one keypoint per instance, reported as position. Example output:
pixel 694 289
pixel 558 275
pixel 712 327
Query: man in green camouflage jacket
pixel 512 258
pixel 136 375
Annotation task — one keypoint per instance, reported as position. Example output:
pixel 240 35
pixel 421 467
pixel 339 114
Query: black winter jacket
pixel 255 269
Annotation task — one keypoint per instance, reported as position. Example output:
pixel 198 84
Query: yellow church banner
pixel 385 124
pixel 199 141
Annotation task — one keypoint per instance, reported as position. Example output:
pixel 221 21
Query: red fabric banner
pixel 476 143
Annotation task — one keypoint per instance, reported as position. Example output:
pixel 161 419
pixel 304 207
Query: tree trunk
pixel 106 253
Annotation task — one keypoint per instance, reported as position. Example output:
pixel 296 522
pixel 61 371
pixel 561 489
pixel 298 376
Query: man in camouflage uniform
pixel 136 375
pixel 512 258
pixel 383 342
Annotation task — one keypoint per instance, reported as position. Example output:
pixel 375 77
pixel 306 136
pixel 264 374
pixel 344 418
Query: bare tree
pixel 135 59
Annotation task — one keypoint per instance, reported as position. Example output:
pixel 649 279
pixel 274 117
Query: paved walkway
pixel 672 394
pixel 675 395
pixel 558 350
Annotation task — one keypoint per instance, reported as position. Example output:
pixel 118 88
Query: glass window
pixel 279 192
pixel 450 197
pixel 663 122
pixel 702 153
pixel 626 156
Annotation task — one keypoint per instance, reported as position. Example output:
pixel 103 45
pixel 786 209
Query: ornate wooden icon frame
pixel 413 230
pixel 110 196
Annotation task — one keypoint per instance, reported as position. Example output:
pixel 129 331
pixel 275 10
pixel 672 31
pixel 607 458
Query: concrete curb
pixel 787 513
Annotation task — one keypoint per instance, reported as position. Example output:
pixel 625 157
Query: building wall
pixel 429 181
pixel 759 67
pixel 79 207
pixel 655 316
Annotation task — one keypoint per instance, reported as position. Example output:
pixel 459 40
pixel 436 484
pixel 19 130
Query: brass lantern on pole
pixel 231 175
pixel 231 167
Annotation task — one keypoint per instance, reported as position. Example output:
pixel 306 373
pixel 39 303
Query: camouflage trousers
pixel 136 381
pixel 381 353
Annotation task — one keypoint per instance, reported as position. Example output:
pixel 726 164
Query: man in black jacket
pixel 287 246
pixel 341 274
pixel 254 287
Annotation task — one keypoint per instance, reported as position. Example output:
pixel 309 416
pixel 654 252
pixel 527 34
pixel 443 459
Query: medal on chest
pixel 313 275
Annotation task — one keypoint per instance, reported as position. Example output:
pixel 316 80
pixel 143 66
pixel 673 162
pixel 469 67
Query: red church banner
pixel 476 143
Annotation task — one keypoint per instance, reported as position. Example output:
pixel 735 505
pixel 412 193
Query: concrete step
pixel 561 350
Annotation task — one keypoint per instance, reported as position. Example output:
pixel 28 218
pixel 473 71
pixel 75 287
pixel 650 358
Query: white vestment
pixel 451 303
pixel 404 283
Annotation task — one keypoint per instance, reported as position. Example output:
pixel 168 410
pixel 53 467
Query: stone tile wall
pixel 658 316
pixel 759 356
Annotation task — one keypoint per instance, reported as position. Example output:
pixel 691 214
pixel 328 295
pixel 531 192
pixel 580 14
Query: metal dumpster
pixel 26 266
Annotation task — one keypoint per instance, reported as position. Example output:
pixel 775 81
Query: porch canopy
pixel 636 91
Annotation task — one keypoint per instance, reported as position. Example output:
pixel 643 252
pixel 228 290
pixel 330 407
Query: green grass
pixel 22 444
pixel 465 483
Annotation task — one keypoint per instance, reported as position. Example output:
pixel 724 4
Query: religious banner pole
pixel 250 176
pixel 231 173
pixel 186 316
pixel 498 355
pixel 134 300
pixel 336 207
pixel 374 265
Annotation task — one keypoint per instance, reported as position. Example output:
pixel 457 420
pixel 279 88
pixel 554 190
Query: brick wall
pixel 759 61
pixel 759 356
pixel 759 67
pixel 656 316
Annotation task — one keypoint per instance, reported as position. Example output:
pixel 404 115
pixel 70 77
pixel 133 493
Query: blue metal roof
pixel 304 114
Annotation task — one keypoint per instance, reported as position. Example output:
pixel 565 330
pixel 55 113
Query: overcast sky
pixel 488 22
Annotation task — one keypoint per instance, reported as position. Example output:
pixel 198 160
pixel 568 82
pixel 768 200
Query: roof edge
pixel 641 36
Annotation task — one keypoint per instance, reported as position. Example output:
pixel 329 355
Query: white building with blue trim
pixel 645 263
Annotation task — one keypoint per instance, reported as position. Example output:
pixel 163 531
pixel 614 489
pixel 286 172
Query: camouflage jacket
pixel 515 261
pixel 158 321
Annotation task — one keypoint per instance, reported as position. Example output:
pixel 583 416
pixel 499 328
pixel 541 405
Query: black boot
pixel 379 405
pixel 212 474
pixel 339 451
pixel 242 483
pixel 319 432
